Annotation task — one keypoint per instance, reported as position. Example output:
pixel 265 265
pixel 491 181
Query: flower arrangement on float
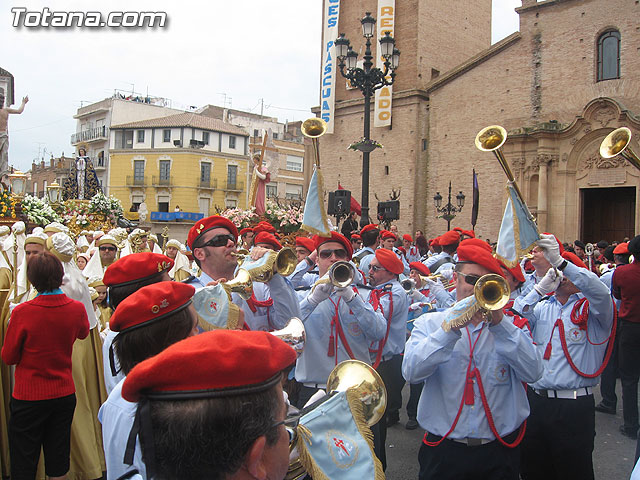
pixel 286 219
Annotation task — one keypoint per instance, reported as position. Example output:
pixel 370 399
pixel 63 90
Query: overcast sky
pixel 211 50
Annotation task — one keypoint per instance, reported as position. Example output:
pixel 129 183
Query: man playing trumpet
pixel 473 403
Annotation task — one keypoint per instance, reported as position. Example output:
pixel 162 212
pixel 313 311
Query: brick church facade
pixel 559 86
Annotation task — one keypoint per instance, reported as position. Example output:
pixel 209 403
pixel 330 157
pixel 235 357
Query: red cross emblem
pixel 214 306
pixel 576 334
pixel 340 444
pixel 503 371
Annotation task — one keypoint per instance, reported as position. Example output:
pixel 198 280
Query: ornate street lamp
pixel 18 182
pixel 367 79
pixel 449 210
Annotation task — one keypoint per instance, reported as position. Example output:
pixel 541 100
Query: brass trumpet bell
pixel 409 285
pixel 341 274
pixel 283 262
pixel 617 143
pixel 371 388
pixel 491 138
pixel 240 284
pixel 313 127
pixel 492 292
pixel 293 334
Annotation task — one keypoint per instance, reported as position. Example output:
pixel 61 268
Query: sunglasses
pixel 107 249
pixel 218 241
pixel 470 279
pixel 290 423
pixel 340 253
pixel 375 268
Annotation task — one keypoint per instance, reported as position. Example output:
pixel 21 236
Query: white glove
pixel 549 282
pixel 416 306
pixel 319 293
pixel 416 296
pixel 346 293
pixel 447 274
pixel 551 249
pixel 434 286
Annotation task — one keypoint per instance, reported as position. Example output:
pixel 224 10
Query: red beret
pixel 515 271
pixel 305 242
pixel 559 242
pixel 477 242
pixel 389 261
pixel 403 250
pixel 434 242
pixel 468 233
pixel 471 252
pixel 367 228
pixel 243 362
pixel 209 223
pixel 449 238
pixel 265 237
pixel 420 267
pixel 384 234
pixel 136 267
pixel 622 249
pixel 458 229
pixel 151 303
pixel 335 237
pixel 244 231
pixel 264 227
pixel 573 258
pixel 407 237
pixel 355 236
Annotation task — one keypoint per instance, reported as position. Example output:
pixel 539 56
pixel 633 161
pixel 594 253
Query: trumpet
pixel 241 284
pixel 588 250
pixel 491 292
pixel 617 143
pixel 341 274
pixel 293 334
pixel 262 270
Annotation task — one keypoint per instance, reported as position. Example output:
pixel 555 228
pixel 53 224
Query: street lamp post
pixel 367 79
pixel 449 210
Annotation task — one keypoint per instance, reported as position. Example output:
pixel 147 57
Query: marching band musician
pixel 356 242
pixel 388 242
pixel 213 241
pixel 389 298
pixel 570 328
pixel 339 322
pixel 413 255
pixel 370 235
pixel 304 247
pixel 246 238
pixel 448 242
pixel 473 403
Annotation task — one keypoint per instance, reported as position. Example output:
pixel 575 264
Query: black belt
pixel 473 442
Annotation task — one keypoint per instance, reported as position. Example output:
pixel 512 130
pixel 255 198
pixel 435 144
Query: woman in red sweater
pixel 39 341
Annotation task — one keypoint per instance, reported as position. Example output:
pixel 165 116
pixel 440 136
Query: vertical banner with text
pixel 386 21
pixel 329 61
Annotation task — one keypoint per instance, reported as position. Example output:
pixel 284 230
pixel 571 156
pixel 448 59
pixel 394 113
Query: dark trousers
pixel 391 373
pixel 457 461
pixel 629 358
pixel 39 424
pixel 415 389
pixel 559 440
pixel 608 377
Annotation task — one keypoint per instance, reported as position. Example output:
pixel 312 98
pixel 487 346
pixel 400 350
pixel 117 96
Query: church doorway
pixel 607 214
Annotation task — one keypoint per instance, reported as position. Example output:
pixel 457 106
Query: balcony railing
pixel 157 181
pixel 209 183
pixel 135 181
pixel 90 135
pixel 233 186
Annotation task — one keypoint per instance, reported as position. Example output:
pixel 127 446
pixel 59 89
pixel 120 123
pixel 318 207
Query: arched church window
pixel 609 55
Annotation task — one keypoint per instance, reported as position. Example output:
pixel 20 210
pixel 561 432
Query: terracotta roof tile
pixel 186 119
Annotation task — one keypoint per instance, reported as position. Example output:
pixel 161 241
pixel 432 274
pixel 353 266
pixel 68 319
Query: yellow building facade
pixel 186 161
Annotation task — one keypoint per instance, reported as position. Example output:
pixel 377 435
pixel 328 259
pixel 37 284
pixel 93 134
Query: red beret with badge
pixel 209 223
pixel 243 362
pixel 368 228
pixel 267 238
pixel 150 304
pixel 135 268
pixel 420 267
pixel 306 242
pixel 389 261
pixel 470 252
pixel 335 237
pixel 450 238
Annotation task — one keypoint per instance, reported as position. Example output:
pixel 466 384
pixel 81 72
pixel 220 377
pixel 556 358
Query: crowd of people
pixel 108 366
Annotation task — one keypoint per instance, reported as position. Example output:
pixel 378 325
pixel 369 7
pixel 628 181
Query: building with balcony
pixel 186 160
pixel 94 121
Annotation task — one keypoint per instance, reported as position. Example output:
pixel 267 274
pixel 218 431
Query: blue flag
pixel 518 231
pixel 335 443
pixel 314 219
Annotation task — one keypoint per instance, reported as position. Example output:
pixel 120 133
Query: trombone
pixel 618 143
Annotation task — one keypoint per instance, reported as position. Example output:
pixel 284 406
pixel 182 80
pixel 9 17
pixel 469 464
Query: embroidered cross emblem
pixel 576 334
pixel 214 306
pixel 340 444
pixel 503 371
